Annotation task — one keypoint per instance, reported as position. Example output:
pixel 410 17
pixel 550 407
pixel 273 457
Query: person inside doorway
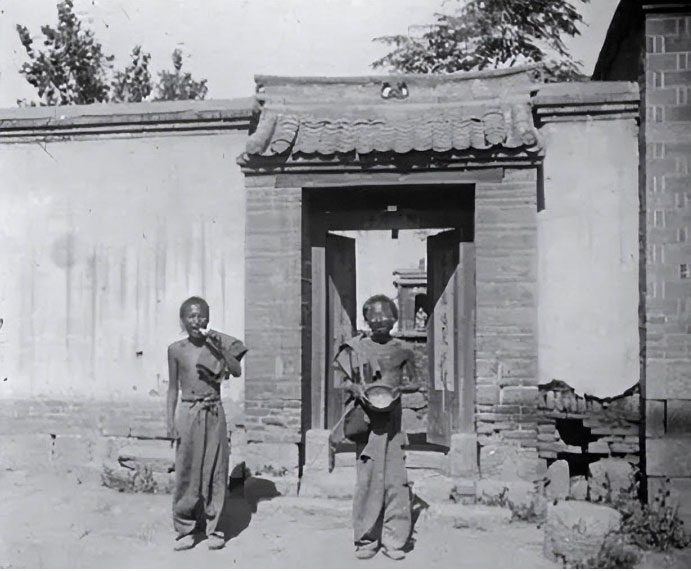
pixel 371 368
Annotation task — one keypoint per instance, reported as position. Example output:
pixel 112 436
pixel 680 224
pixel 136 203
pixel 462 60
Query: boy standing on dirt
pixel 196 367
pixel 381 505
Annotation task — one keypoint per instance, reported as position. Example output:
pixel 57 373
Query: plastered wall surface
pixel 100 241
pixel 588 256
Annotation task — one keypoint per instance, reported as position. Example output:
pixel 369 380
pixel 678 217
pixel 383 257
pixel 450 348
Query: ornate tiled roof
pixel 459 114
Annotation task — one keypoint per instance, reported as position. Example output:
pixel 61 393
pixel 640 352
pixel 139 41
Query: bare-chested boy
pixel 381 505
pixel 196 367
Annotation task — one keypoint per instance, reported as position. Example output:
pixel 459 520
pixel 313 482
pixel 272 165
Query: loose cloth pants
pixel 381 505
pixel 201 465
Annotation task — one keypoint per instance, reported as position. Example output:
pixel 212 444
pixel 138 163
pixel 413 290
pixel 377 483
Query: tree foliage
pixel 177 84
pixel 73 69
pixel 490 34
pixel 134 83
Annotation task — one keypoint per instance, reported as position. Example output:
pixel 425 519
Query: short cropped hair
pixel 381 299
pixel 194 300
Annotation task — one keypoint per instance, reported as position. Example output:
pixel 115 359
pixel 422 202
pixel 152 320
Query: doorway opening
pixel 414 244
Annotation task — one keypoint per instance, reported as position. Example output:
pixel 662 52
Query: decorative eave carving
pixel 406 122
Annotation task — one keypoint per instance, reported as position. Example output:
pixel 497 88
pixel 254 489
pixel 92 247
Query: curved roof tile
pixel 437 129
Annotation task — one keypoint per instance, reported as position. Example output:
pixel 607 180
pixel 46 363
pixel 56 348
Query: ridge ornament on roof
pixel 326 119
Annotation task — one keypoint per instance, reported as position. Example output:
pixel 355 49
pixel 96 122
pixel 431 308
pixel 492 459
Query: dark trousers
pixel 201 465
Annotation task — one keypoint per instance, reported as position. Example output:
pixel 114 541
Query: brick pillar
pixel 667 128
pixel 273 328
pixel 506 325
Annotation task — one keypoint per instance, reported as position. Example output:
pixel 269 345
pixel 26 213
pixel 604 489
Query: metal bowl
pixel 380 397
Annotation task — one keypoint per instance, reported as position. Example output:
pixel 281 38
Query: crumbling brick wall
pixel 584 429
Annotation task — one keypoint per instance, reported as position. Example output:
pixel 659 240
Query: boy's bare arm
pixel 172 397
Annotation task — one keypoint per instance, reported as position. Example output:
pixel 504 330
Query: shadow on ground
pixel 242 498
pixel 418 505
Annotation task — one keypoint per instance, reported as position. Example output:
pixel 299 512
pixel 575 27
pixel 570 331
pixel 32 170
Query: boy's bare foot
pixel 216 541
pixel 184 542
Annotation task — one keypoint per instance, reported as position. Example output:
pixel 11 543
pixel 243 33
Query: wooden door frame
pixel 319 222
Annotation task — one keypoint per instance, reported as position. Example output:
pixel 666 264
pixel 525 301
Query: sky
pixel 229 41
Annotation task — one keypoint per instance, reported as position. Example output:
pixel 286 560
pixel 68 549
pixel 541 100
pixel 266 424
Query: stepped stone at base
pixel 339 484
pixel 508 462
pixel 125 479
pixel 430 486
pixel 462 516
pixel 575 531
pixel 462 457
pixel 158 455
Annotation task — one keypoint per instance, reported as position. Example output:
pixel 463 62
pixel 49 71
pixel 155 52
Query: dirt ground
pixel 54 521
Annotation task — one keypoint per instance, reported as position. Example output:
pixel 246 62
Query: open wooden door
pixel 450 335
pixel 341 311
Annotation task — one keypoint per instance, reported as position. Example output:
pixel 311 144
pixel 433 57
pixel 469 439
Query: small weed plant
pixel 140 480
pixel 655 526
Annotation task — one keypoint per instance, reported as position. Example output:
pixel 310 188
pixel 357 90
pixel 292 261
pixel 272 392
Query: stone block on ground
pixel 460 516
pixel 344 459
pixel 557 480
pixel 137 480
pixel 575 530
pixel 578 488
pixel 263 457
pixel 156 454
pixel 317 449
pixel 609 479
pixel 339 484
pixel 463 491
pixel 430 486
pixel 508 462
pixel 462 456
pixel 426 459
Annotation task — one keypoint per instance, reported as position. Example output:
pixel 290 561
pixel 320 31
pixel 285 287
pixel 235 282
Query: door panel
pixel 341 313
pixel 463 420
pixel 442 331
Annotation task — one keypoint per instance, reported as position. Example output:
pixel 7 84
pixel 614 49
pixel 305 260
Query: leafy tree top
pixel 490 34
pixel 177 84
pixel 72 68
pixel 134 83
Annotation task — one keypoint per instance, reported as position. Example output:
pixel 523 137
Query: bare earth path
pixel 53 521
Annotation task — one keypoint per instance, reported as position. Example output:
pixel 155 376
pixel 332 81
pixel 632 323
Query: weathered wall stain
pixel 98 258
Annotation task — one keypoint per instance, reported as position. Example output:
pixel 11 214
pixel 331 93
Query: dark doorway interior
pixel 334 307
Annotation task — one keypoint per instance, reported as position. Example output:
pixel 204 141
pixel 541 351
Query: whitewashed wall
pixel 588 256
pixel 100 241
